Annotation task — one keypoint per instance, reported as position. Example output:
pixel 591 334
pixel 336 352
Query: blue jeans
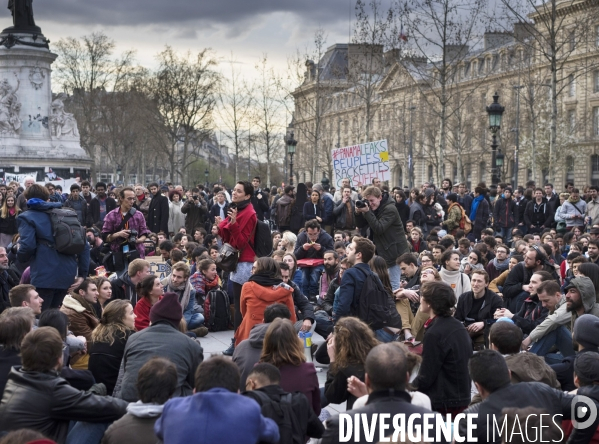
pixel 324 324
pixel 196 320
pixel 311 279
pixel 506 233
pixel 384 336
pixel 395 277
pixel 86 432
pixel 561 338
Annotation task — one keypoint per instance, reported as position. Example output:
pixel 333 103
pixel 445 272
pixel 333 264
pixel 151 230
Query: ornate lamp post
pixel 495 111
pixel 206 173
pixel 291 144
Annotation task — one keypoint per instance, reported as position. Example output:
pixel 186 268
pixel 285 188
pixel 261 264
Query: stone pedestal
pixel 35 131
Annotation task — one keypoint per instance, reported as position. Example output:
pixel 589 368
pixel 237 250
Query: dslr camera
pixel 132 237
pixel 361 203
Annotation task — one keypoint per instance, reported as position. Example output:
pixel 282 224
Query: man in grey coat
pixel 163 339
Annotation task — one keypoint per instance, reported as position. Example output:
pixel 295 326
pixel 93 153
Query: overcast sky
pixel 246 28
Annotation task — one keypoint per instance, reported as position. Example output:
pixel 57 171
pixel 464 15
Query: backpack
pixel 69 235
pixel 376 307
pixel 217 310
pixel 262 239
pixel 284 211
pixel 465 222
pixel 282 413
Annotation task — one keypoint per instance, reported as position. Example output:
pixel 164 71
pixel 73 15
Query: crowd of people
pixel 428 300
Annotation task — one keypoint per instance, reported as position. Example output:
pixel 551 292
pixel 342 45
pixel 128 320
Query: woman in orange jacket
pixel 265 287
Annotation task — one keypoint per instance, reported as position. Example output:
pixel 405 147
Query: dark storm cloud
pixel 168 12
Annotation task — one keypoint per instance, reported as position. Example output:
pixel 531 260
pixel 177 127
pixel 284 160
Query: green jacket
pixel 454 217
pixel 386 230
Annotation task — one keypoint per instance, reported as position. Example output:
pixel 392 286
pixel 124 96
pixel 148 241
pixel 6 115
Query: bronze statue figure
pixel 22 13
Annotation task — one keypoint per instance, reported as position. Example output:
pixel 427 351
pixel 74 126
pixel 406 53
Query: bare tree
pixel 440 31
pixel 85 70
pixel 267 117
pixel 560 40
pixel 184 88
pixel 235 108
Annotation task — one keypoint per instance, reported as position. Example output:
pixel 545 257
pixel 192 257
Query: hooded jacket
pixel 528 367
pixel 247 353
pixel 137 426
pixel 386 230
pixel 254 300
pixel 561 316
pixel 176 219
pixel 504 213
pixel 49 268
pixel 82 319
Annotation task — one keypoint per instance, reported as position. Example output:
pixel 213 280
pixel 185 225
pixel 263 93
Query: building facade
pixel 357 93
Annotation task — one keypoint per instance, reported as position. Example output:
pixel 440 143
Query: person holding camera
pixel 195 210
pixel 125 230
pixel 377 211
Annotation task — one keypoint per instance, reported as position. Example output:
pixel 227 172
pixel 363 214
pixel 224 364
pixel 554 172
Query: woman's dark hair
pixel 248 188
pixel 379 267
pixel 268 266
pixel 440 297
pixel 447 256
pixel 281 345
pixel 144 288
pixel 57 319
pixel 37 191
pixel 480 258
pixel 177 237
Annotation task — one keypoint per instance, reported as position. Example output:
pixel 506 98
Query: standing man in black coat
pixel 259 199
pixel 158 212
pixel 100 205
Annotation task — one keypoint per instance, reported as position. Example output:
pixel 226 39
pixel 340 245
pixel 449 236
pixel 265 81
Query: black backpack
pixel 262 239
pixel 282 413
pixel 69 235
pixel 375 306
pixel 217 310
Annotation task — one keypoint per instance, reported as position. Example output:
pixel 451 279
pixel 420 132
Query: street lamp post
pixel 411 153
pixel 517 131
pixel 206 173
pixel 291 145
pixel 495 111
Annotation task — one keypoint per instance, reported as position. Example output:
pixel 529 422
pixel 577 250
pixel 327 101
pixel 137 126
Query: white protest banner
pixel 9 177
pixel 361 163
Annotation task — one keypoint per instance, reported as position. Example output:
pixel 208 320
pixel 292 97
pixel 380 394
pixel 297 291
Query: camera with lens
pixel 361 203
pixel 132 237
pixel 195 197
pixel 232 206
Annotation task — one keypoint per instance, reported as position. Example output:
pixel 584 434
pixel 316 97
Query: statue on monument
pixel 22 13
pixel 63 123
pixel 10 122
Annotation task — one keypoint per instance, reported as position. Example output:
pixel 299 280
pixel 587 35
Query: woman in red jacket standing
pixel 238 231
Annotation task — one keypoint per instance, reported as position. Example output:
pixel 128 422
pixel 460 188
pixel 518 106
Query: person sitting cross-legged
pixel 215 397
pixel 156 383
pixel 263 386
pixel 36 397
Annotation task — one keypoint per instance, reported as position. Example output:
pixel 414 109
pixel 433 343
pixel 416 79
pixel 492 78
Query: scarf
pixel 501 266
pixel 183 290
pixel 12 211
pixel 428 322
pixel 475 204
pixel 241 205
pixel 572 201
pixel 265 280
pixel 141 197
pixel 222 209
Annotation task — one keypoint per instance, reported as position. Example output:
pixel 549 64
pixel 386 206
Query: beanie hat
pixel 586 366
pixel 429 192
pixel 586 331
pixel 167 309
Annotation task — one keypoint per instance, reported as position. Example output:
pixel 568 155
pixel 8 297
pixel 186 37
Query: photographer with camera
pixel 125 230
pixel 195 210
pixel 97 247
pixel 377 211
